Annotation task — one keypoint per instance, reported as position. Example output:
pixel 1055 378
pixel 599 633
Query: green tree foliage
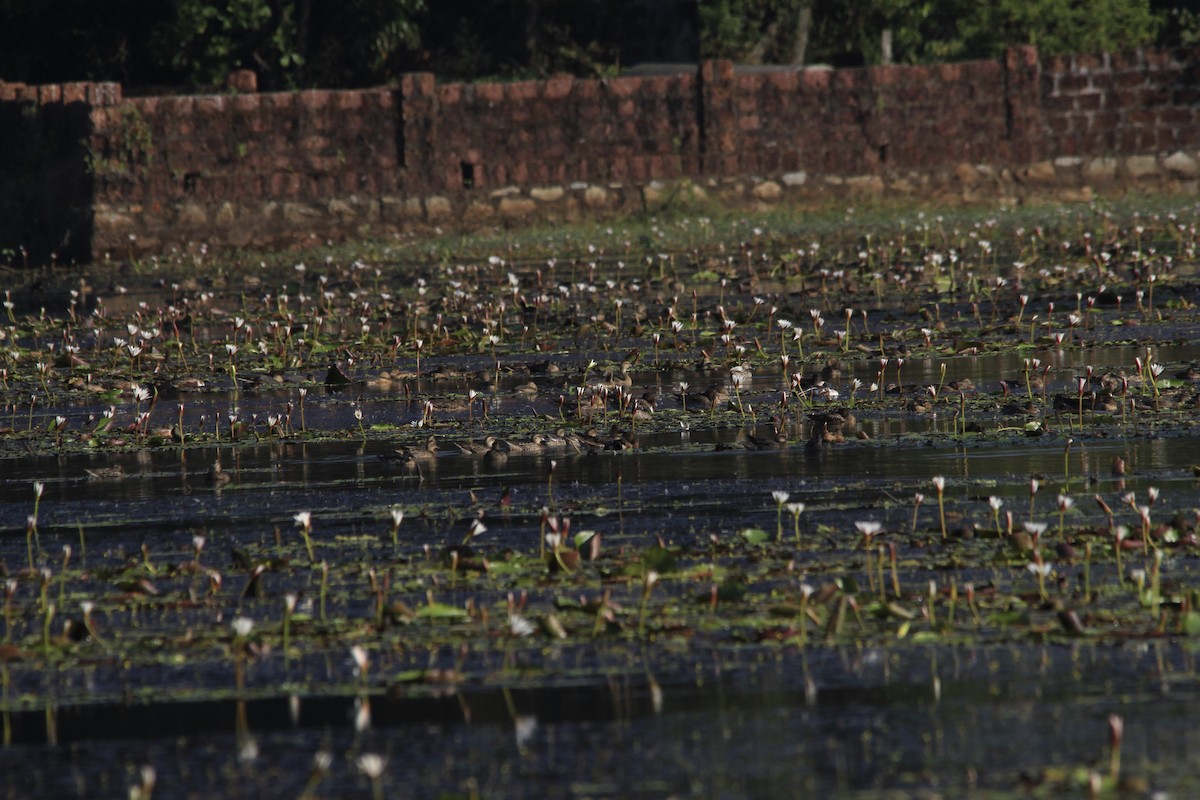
pixel 152 44
pixel 843 32
pixel 756 31
pixel 205 41
pixel 1053 26
pixel 359 42
pixel 522 38
pixel 291 43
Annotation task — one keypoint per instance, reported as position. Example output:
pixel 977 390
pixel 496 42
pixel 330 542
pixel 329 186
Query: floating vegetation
pixel 465 479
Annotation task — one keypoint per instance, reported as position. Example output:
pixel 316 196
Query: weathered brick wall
pixel 864 120
pixel 565 130
pixel 248 167
pixel 119 175
pixel 293 146
pixel 1121 103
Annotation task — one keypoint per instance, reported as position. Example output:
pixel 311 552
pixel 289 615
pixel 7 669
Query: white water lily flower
pixel 868 527
pixel 519 626
pixel 371 765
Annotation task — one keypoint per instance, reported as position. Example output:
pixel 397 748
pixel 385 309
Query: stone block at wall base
pixel 1181 164
pixel 1100 170
pixel 515 209
pixel 595 197
pixel 438 208
pixel 1140 167
pixel 768 191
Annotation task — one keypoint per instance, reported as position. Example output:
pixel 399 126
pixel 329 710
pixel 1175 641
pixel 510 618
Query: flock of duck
pixel 495 450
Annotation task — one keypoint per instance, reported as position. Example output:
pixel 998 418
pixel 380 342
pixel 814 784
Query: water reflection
pixel 272 479
pixel 840 720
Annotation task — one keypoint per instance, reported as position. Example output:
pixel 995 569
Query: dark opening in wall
pixel 468 175
pixel 189 181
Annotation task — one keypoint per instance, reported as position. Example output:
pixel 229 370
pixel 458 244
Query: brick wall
pixel 1140 102
pixel 115 175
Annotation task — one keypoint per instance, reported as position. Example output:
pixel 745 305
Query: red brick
pixel 949 71
pixel 210 104
pixel 245 103
pixel 523 90
pixel 1177 118
pixel 1021 56
pixel 422 84
pixel 719 70
pixel 1073 83
pixel 347 101
pixel 786 82
pixel 558 87
pixel 846 79
pixel 1056 65
pixel 1128 60
pixel 1058 104
pixel 1130 80
pixel 315 99
pixel 489 92
pixel 105 94
pixel 623 87
pixel 1158 59
pixel 815 79
pixel 1143 117
pixel 882 76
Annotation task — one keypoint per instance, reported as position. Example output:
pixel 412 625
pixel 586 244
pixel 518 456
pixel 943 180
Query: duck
pixel 839 421
pixel 426 451
pixel 218 477
pixel 497 455
pixel 409 457
pixel 536 444
pixel 823 435
pixel 475 447
pixel 618 440
pixel 113 473
pixel 754 442
pixel 560 440
pixel 613 378
pixel 710 399
pixel 642 409
pixel 586 440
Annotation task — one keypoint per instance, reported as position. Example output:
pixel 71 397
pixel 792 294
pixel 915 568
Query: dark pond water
pixel 863 722
pixel 710 714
